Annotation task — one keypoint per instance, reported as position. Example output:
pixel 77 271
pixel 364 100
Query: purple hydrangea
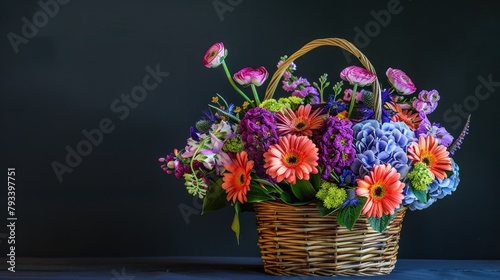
pixel 258 132
pixel 437 190
pixel 377 143
pixel 334 142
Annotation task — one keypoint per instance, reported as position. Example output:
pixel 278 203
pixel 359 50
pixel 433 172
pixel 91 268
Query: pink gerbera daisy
pixel 302 122
pixel 237 177
pixel 293 157
pixel 383 190
pixel 435 156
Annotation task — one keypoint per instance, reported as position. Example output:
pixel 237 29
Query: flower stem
pixel 234 85
pixel 353 99
pixel 255 94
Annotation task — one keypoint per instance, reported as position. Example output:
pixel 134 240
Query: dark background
pixel 117 201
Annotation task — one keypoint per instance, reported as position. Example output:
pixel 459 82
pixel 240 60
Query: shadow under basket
pixel 297 240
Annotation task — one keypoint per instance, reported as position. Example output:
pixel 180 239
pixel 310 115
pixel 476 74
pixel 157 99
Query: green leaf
pixel 449 173
pixel 285 197
pixel 257 193
pixel 315 180
pixel 303 190
pixel 262 181
pixel 348 216
pixel 235 226
pixel 215 198
pixel 323 210
pixel 420 195
pixel 379 224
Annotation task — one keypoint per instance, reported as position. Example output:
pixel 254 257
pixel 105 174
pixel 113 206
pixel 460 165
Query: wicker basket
pixel 297 240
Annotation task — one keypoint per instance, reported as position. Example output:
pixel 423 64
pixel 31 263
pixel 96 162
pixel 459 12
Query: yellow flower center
pixel 377 191
pixel 291 159
pixel 300 125
pixel 240 179
pixel 427 160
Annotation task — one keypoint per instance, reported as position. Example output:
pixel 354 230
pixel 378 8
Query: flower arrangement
pixel 336 149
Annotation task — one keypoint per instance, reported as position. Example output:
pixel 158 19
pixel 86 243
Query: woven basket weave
pixel 297 240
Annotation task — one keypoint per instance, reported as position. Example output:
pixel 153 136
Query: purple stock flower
pixel 334 141
pixel 258 132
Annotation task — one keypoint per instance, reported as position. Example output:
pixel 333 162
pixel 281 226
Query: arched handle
pixel 336 42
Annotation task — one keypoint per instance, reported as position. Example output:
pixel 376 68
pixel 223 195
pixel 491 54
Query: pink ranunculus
pixel 248 75
pixel 215 55
pixel 400 81
pixel 357 75
pixel 348 95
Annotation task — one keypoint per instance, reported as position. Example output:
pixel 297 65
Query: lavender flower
pixel 427 101
pixel 435 129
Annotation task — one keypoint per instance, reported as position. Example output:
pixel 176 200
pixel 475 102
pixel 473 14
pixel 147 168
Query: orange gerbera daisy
pixel 434 156
pixel 293 157
pixel 409 117
pixel 237 177
pixel 302 122
pixel 383 190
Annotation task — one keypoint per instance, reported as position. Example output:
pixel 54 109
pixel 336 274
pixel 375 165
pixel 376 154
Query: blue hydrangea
pixel 437 190
pixel 377 143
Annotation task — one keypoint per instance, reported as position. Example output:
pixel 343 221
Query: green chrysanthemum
pixel 291 102
pixel 331 195
pixel 420 177
pixel 234 145
pixel 272 105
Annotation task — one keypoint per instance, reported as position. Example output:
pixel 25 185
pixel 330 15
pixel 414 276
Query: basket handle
pixel 336 42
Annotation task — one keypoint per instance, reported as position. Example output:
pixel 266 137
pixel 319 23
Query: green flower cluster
pixel 234 145
pixel 420 177
pixel 273 105
pixel 332 195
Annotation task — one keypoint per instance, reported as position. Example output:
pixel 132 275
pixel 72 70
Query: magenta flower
pixel 400 81
pixel 214 56
pixel 248 75
pixel 348 95
pixel 357 75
